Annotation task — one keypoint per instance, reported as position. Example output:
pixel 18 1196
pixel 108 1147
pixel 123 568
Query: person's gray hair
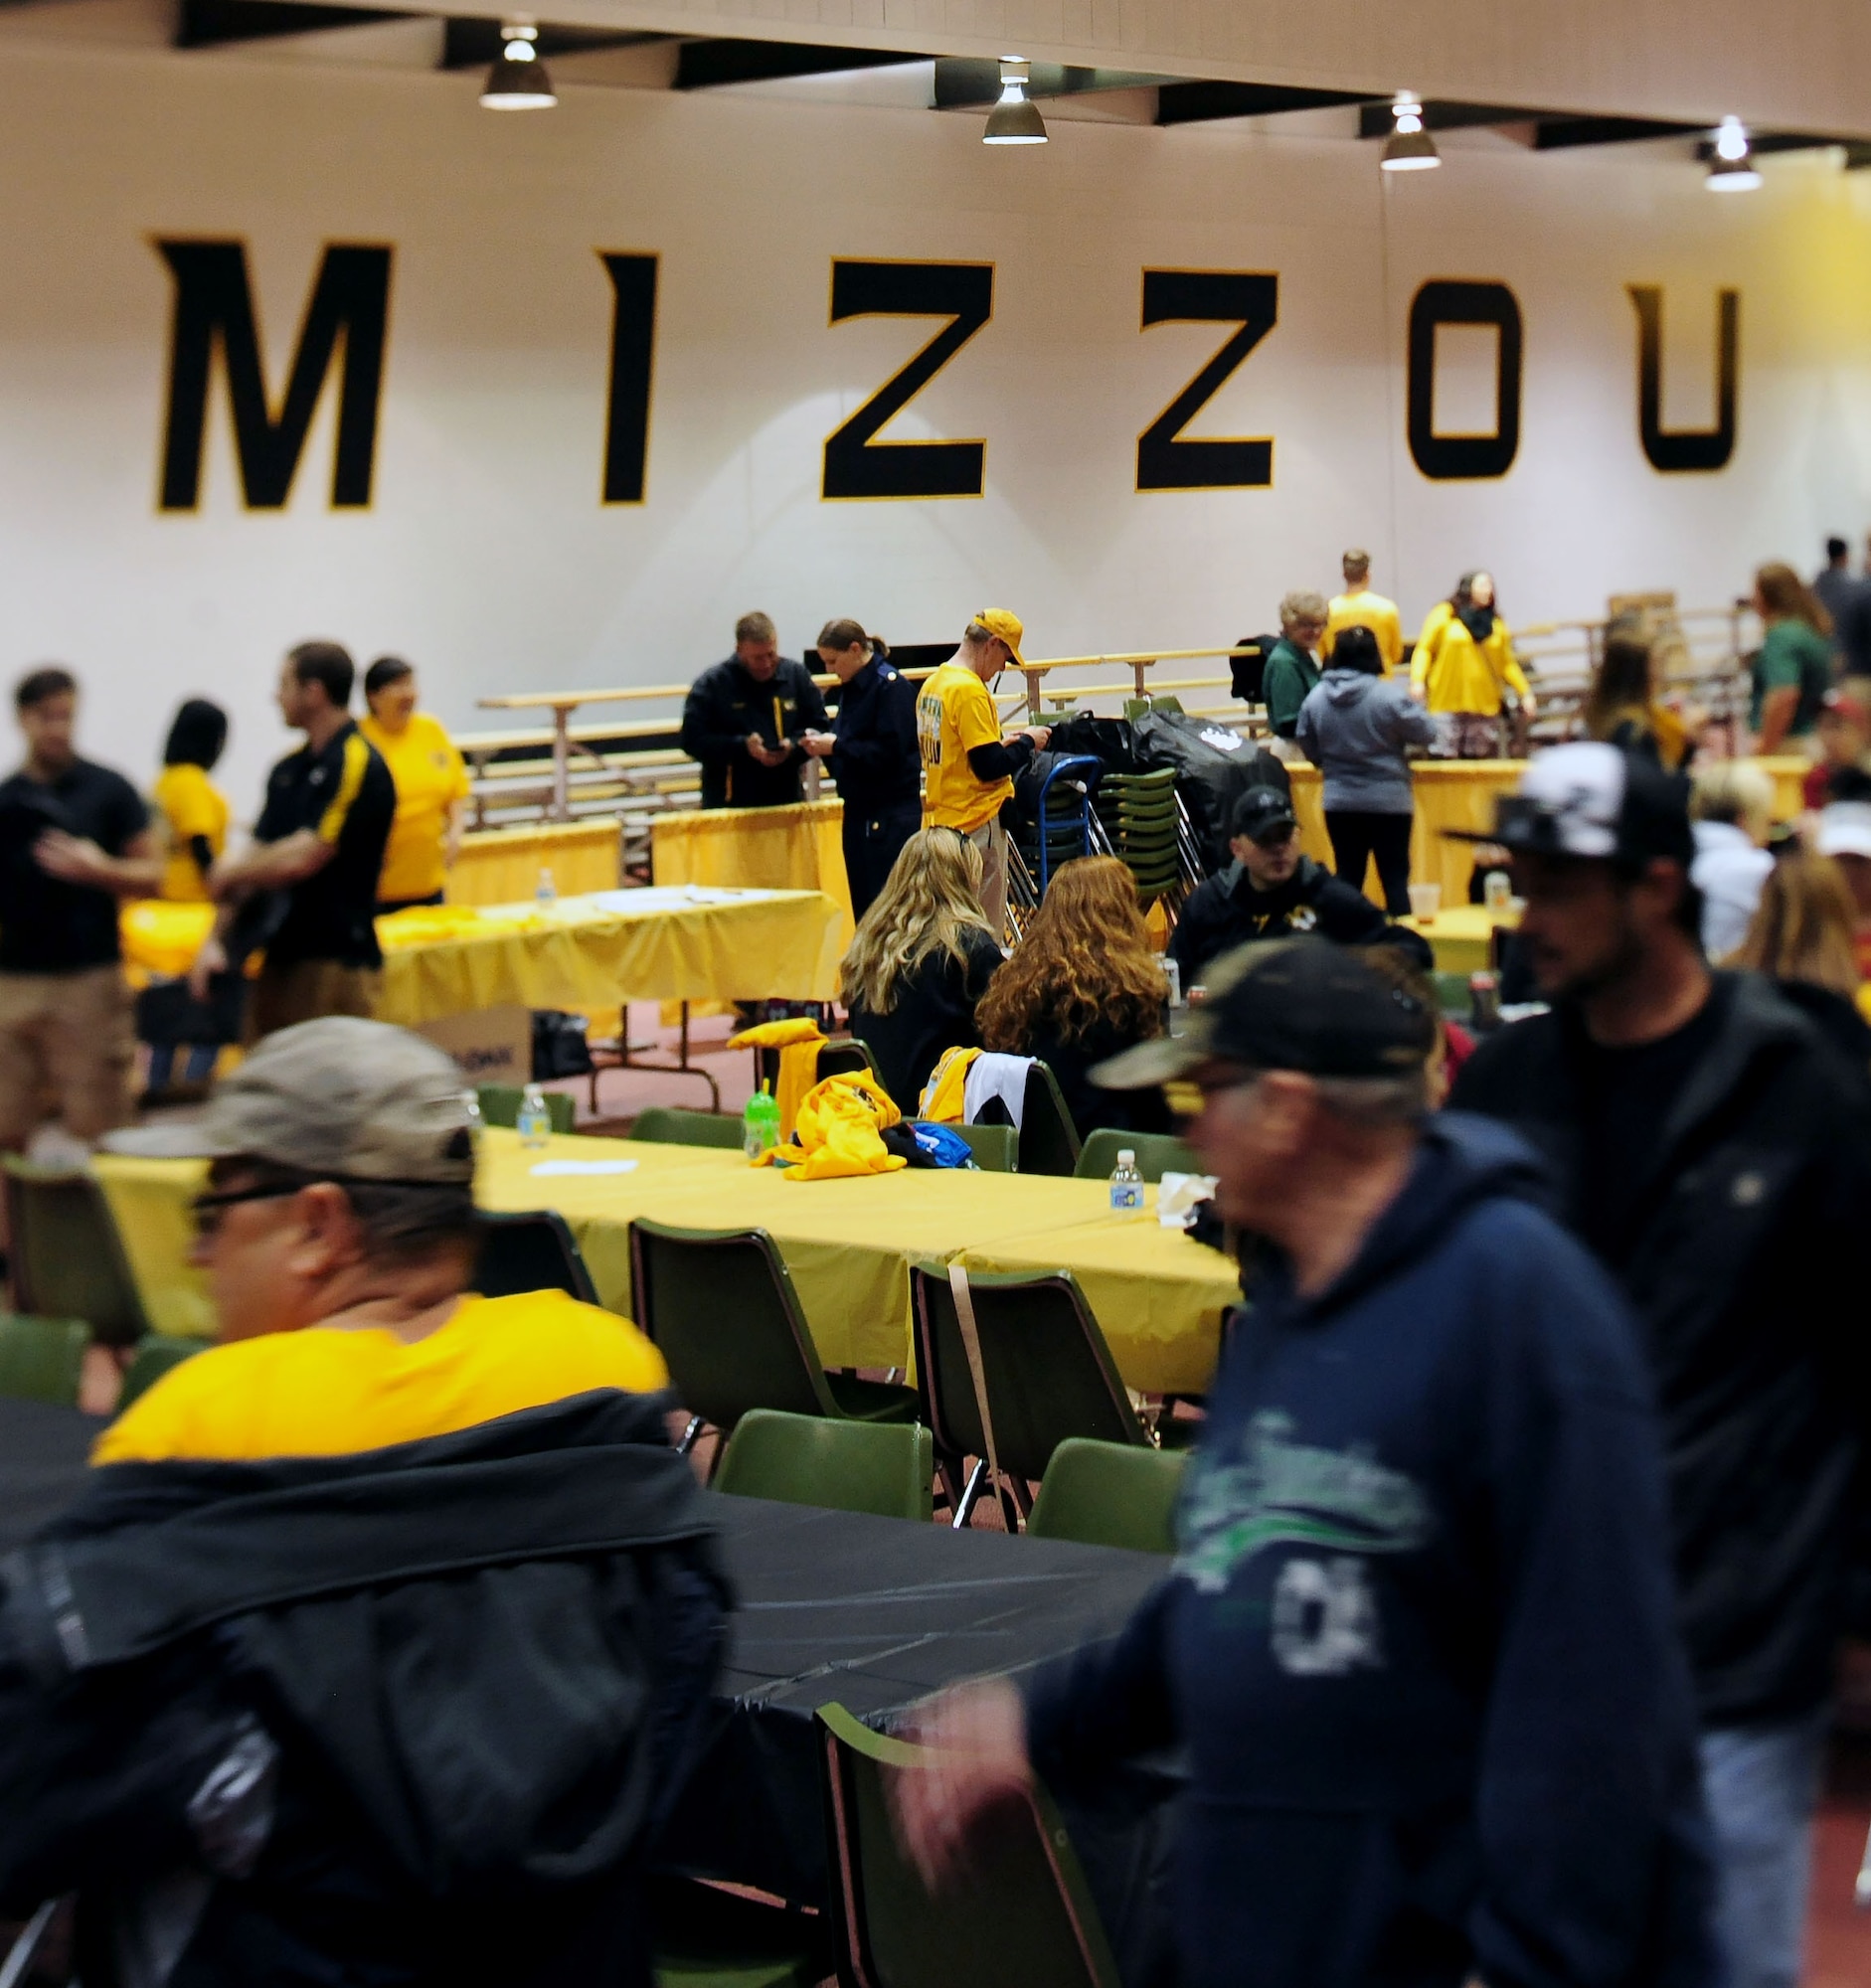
pixel 976 635
pixel 1376 1103
pixel 1356 560
pixel 755 627
pixel 1301 606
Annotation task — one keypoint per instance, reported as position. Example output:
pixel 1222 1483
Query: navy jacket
pixel 876 764
pixel 1419 1641
pixel 725 707
pixel 1226 911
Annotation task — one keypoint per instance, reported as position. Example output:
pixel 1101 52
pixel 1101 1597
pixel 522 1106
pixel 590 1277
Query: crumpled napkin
pixel 1178 1196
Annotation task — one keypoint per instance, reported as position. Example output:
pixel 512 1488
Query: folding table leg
pixel 977 1482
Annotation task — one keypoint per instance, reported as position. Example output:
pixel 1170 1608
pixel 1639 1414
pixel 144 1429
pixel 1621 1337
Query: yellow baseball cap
pixel 997 621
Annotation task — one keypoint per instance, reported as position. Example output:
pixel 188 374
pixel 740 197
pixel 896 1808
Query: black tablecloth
pixel 872 1613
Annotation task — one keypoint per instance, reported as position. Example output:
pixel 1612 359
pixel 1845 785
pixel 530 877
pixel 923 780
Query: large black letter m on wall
pixel 213 310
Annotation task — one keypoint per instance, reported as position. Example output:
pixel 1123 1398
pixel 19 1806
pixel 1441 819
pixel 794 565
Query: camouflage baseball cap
pixel 341 1098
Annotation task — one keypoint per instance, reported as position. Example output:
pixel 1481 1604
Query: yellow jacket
pixel 1460 673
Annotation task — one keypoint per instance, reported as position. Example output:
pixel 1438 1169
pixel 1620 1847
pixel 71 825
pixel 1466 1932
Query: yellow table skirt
pixel 1450 793
pixel 500 866
pixel 848 1244
pixel 1462 938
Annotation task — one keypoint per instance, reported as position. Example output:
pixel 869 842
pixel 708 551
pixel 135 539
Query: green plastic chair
pixel 996 1148
pixel 705 1937
pixel 155 1354
pixel 1108 1494
pixel 1157 1153
pixel 500 1106
pixel 881 1468
pixel 1454 995
pixel 42 1358
pixel 1049 1140
pixel 68 1260
pixel 666 1125
pixel 720 1305
pixel 1048 1371
pixel 1020 1915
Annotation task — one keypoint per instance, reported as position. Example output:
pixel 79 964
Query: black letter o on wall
pixel 1457 458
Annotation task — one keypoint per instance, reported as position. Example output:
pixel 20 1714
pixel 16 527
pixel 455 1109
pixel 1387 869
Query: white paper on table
pixel 550 1168
pixel 1178 1196
pixel 669 898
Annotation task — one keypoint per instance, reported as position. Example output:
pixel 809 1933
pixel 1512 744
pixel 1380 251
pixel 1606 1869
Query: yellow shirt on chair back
pixel 430 778
pixel 1365 609
pixel 953 715
pixel 191 805
pixel 330 1391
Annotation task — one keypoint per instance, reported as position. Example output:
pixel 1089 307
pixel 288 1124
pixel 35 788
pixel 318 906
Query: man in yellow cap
pixel 967 766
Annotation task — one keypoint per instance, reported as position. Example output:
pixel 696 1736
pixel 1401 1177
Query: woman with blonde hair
pixel 1082 985
pixel 1793 668
pixel 1623 708
pixel 921 961
pixel 1802 939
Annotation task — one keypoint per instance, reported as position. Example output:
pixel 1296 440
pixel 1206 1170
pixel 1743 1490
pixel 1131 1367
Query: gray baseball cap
pixel 340 1097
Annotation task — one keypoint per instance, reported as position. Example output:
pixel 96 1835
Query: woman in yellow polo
pixel 431 788
pixel 1463 662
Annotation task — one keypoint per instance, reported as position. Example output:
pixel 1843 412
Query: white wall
pixel 488 559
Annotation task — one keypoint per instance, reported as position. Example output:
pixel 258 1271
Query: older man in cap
pixel 1417 1641
pixel 379 1647
pixel 1715 1153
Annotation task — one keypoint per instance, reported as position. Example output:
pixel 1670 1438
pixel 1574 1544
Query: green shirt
pixel 1792 655
pixel 1286 684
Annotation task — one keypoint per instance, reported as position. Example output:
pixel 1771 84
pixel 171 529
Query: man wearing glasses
pixel 1418 1643
pixel 1272 891
pixel 339 1235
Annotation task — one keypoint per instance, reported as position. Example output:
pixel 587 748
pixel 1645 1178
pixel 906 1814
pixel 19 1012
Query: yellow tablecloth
pixel 771 849
pixel 848 1244
pixel 1450 793
pixel 1460 938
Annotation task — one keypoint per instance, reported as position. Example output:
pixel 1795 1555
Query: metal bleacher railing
pixel 633 768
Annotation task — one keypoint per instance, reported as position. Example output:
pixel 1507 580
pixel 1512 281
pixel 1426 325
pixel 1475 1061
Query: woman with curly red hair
pixel 1082 985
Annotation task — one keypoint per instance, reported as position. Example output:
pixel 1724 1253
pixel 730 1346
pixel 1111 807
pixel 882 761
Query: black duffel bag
pixel 1214 768
pixel 559 1045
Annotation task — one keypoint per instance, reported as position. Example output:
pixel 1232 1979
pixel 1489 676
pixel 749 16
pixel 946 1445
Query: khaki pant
pixel 991 840
pixel 66 1045
pixel 307 989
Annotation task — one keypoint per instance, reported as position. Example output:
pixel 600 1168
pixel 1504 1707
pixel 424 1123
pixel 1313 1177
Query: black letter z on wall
pixel 1460 458
pixel 1219 296
pixel 857 466
pixel 214 307
pixel 632 349
pixel 1685 448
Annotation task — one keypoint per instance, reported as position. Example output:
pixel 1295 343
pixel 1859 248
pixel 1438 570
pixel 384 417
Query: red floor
pixel 1838 1950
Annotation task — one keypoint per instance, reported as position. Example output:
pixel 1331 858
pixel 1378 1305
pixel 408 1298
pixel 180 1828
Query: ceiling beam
pixel 1375 120
pixel 711 65
pixel 1557 134
pixel 214 24
pixel 971 82
pixel 473 41
pixel 1197 102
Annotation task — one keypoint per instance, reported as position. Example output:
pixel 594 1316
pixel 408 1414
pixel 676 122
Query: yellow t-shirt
pixel 329 1391
pixel 1462 674
pixel 953 715
pixel 190 804
pixel 1365 609
pixel 430 778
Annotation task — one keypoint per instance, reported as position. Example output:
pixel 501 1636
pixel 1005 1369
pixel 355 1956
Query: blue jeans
pixel 1762 1784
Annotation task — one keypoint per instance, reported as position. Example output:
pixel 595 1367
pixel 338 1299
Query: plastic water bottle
pixel 1126 1185
pixel 534 1122
pixel 1172 972
pixel 760 1123
pixel 548 891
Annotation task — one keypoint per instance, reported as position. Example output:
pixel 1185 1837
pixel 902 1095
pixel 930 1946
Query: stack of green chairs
pixel 1139 814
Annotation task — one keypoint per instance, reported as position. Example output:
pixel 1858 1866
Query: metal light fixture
pixel 1409 148
pixel 1732 170
pixel 518 79
pixel 1015 119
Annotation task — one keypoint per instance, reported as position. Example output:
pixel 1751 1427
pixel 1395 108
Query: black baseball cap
pixel 1263 814
pixel 1589 799
pixel 1303 1004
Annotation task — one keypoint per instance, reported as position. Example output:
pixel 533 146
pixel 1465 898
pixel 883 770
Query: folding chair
pixel 500 1106
pixel 705 1937
pixel 720 1305
pixel 667 1126
pixel 1021 1914
pixel 1158 1154
pixel 1049 1140
pixel 68 1260
pixel 531 1249
pixel 878 1467
pixel 42 1358
pixel 1108 1494
pixel 996 1148
pixel 1048 1375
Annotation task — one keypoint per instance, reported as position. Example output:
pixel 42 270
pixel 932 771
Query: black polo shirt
pixel 45 925
pixel 344 795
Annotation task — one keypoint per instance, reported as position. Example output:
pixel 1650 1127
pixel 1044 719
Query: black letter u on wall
pixel 214 308
pixel 1672 449
pixel 1457 458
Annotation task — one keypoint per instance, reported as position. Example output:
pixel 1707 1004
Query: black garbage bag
pixel 1106 739
pixel 1214 768
pixel 560 1048
pixel 1021 811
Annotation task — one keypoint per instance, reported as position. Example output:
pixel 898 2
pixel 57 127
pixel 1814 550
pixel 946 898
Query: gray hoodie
pixel 1354 727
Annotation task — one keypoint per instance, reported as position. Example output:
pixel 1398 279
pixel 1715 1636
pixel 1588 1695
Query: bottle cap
pixel 1125 1157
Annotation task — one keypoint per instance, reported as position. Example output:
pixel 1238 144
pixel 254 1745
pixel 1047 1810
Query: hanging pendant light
pixel 1732 170
pixel 518 79
pixel 1409 148
pixel 1015 119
